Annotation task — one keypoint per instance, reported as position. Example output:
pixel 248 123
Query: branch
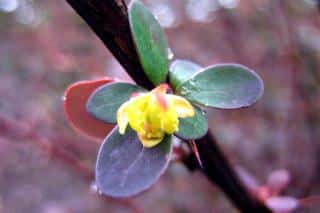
pixel 8 130
pixel 218 169
pixel 109 20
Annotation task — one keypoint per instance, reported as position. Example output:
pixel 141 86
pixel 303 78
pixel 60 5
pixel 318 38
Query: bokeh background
pixel 45 46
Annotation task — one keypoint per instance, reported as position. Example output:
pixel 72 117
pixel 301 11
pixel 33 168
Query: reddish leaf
pixel 75 99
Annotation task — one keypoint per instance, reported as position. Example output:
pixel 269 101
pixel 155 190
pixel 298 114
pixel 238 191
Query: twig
pixel 109 20
pixel 9 127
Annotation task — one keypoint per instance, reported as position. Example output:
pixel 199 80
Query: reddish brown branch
pixel 8 130
pixel 109 20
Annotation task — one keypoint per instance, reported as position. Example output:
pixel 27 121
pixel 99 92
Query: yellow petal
pixel 150 142
pixel 136 112
pixel 181 105
pixel 122 118
pixel 170 121
pixel 136 119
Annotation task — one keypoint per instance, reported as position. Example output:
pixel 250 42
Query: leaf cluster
pixel 124 167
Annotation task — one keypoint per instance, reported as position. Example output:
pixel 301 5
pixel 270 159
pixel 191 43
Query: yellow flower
pixel 153 114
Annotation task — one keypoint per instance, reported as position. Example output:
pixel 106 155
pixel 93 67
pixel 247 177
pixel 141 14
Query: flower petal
pixel 170 121
pixel 150 142
pixel 181 106
pixel 136 112
pixel 122 118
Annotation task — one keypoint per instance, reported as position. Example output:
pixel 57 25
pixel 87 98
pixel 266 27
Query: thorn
pixel 195 150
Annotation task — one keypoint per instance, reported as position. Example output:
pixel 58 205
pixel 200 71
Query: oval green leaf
pixel 180 71
pixel 194 127
pixel 106 100
pixel 124 167
pixel 225 86
pixel 150 42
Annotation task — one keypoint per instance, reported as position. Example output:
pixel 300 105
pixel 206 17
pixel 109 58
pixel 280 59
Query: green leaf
pixel 194 127
pixel 226 86
pixel 180 71
pixel 124 167
pixel 106 100
pixel 150 42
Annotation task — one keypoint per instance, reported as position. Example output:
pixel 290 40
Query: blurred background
pixel 45 46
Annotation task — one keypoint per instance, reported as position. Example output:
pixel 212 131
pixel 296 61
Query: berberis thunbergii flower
pixel 138 150
pixel 153 114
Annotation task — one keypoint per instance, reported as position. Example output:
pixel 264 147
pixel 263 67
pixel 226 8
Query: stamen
pixel 161 99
